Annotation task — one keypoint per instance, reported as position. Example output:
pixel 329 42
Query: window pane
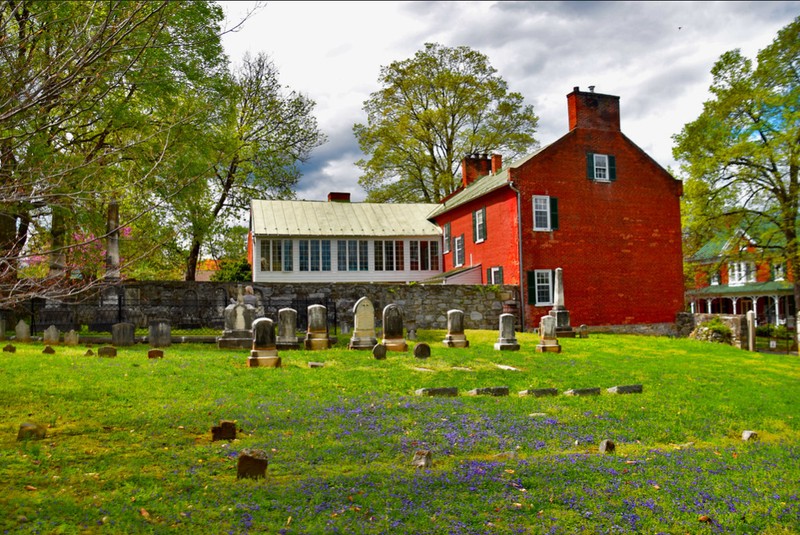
pixel 399 255
pixel 389 252
pixel 601 167
pixel 446 237
pixel 326 255
pixel 541 213
pixel 413 255
pixel 434 256
pixel 264 261
pixel 303 255
pixel 314 246
pixel 287 255
pixel 352 255
pixel 379 255
pixel 341 255
pixel 363 255
pixel 276 255
pixel 424 251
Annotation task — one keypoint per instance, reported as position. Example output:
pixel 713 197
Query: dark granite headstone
pixel 226 430
pixel 422 350
pixel 252 464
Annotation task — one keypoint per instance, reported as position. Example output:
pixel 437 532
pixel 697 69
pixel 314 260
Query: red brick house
pixel 592 203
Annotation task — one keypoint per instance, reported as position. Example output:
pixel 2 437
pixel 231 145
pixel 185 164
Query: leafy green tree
pixel 742 154
pixel 432 110
pixel 233 271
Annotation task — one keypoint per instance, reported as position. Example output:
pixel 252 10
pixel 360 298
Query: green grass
pixel 129 445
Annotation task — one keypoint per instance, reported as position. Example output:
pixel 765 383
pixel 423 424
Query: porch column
pixel 777 300
pixel 708 306
pixel 754 299
pixel 733 300
pixel 692 307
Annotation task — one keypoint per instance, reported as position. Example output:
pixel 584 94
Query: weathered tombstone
pixel 393 329
pixel 48 350
pixel 238 333
pixel 379 351
pixel 548 342
pixel 498 391
pixel 363 325
pixel 122 334
pixel 31 431
pixel 155 354
pixel 455 330
pixel 106 351
pixel 749 435
pixel 559 312
pixel 226 430
pixel 607 446
pixel 507 340
pixel 422 350
pixel 8 348
pixel 583 392
pixel 71 338
pixel 22 332
pixel 751 330
pixel 51 335
pixel 422 459
pixel 287 329
pixel 159 333
pixel 539 392
pixel 265 352
pixel 250 297
pixel 411 330
pixel 583 331
pixel 444 391
pixel 89 353
pixel 316 364
pixel 252 464
pixel 625 389
pixel 317 333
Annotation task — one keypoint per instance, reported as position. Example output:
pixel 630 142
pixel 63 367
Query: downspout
pixel 519 251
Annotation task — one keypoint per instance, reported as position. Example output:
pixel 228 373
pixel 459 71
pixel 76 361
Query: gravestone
pixel 749 435
pixel 8 348
pixel 583 331
pixel 539 392
pixel 498 391
pixel 226 430
pixel 155 354
pixel 287 329
pixel 71 338
pixel 31 431
pixel 607 446
pixel 317 333
pixel 443 391
pixel 625 389
pixel 422 459
pixel 122 334
pixel 583 392
pixel 48 350
pixel 559 312
pixel 548 342
pixel 159 333
pixel 379 351
pixel 106 351
pixel 251 464
pixel 264 353
pixel 422 350
pixel 393 329
pixel 22 332
pixel 89 353
pixel 455 330
pixel 51 335
pixel 507 340
pixel 238 333
pixel 363 325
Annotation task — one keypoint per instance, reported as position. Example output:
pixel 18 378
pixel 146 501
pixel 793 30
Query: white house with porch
pixel 342 241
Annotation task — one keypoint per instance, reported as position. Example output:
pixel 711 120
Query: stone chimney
pixel 474 166
pixel 338 196
pixel 593 110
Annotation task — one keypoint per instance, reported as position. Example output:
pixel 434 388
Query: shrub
pixel 713 331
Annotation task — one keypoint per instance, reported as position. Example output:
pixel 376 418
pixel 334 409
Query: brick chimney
pixel 474 166
pixel 593 110
pixel 338 196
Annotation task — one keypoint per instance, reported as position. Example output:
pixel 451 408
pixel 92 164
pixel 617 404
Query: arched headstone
pixel 363 325
pixel 393 329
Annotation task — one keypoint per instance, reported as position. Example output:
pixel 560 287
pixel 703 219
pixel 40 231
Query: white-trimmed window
pixel 352 255
pixel 389 255
pixel 715 279
pixel 479 225
pixel 494 275
pixel 601 167
pixel 314 255
pixel 779 272
pixel 423 255
pixel 276 255
pixel 540 287
pixel 545 213
pixel 446 238
pixel 740 273
pixel 458 246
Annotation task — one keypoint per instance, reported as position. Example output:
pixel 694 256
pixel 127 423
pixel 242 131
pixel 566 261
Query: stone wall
pixel 736 322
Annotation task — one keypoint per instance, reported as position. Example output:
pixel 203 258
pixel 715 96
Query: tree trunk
pixel 191 261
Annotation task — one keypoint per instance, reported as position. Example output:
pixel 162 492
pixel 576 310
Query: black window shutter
pixel 590 166
pixel 500 273
pixel 612 168
pixel 483 233
pixel 553 213
pixel 531 288
pixel 474 227
pixel 488 275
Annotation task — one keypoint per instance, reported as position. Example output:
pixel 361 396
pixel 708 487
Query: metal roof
pixel 322 218
pixel 743 290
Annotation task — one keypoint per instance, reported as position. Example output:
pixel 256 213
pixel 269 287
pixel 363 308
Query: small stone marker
pixel 489 391
pixel 265 352
pixel 363 325
pixel 444 391
pixel 426 370
pixel 455 330
pixel 507 368
pixel 316 364
pixel 583 331
pixel 748 436
pixel 607 446
pixel 539 392
pixel 107 351
pixel 31 431
pixel 8 348
pixel 226 430
pixel 422 459
pixel 317 333
pixel 583 392
pixel 48 350
pixel 287 329
pixel 393 329
pixel 422 350
pixel 22 332
pixel 51 335
pixel 548 341
pixel 155 354
pixel 252 464
pixel 626 389
pixel 122 334
pixel 89 353
pixel 507 340
pixel 71 338
pixel 379 351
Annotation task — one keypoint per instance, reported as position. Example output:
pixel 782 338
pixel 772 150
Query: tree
pixel 742 154
pixel 432 110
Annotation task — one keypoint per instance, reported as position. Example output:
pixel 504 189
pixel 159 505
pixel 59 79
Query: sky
pixel 656 56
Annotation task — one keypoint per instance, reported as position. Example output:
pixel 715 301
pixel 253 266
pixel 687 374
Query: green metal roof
pixel 321 218
pixel 745 290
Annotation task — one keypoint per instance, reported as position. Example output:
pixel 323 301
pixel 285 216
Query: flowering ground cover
pixel 129 446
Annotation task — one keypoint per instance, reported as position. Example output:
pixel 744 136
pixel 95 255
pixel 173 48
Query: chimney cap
pixel 591 89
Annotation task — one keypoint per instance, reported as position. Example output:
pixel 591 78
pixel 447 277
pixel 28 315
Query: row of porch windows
pixel 740 273
pixel 351 255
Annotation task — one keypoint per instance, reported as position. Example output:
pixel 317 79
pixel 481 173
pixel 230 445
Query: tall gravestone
pixel 51 335
pixel 287 329
pixel 393 329
pixel 317 333
pixel 159 333
pixel 122 334
pixel 455 330
pixel 264 352
pixel 71 338
pixel 22 332
pixel 563 328
pixel 363 325
pixel 507 340
pixel 548 341
pixel 238 333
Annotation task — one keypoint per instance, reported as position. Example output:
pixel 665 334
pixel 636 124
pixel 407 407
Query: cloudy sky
pixel 656 56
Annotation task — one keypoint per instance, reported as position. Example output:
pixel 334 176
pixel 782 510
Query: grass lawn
pixel 129 450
